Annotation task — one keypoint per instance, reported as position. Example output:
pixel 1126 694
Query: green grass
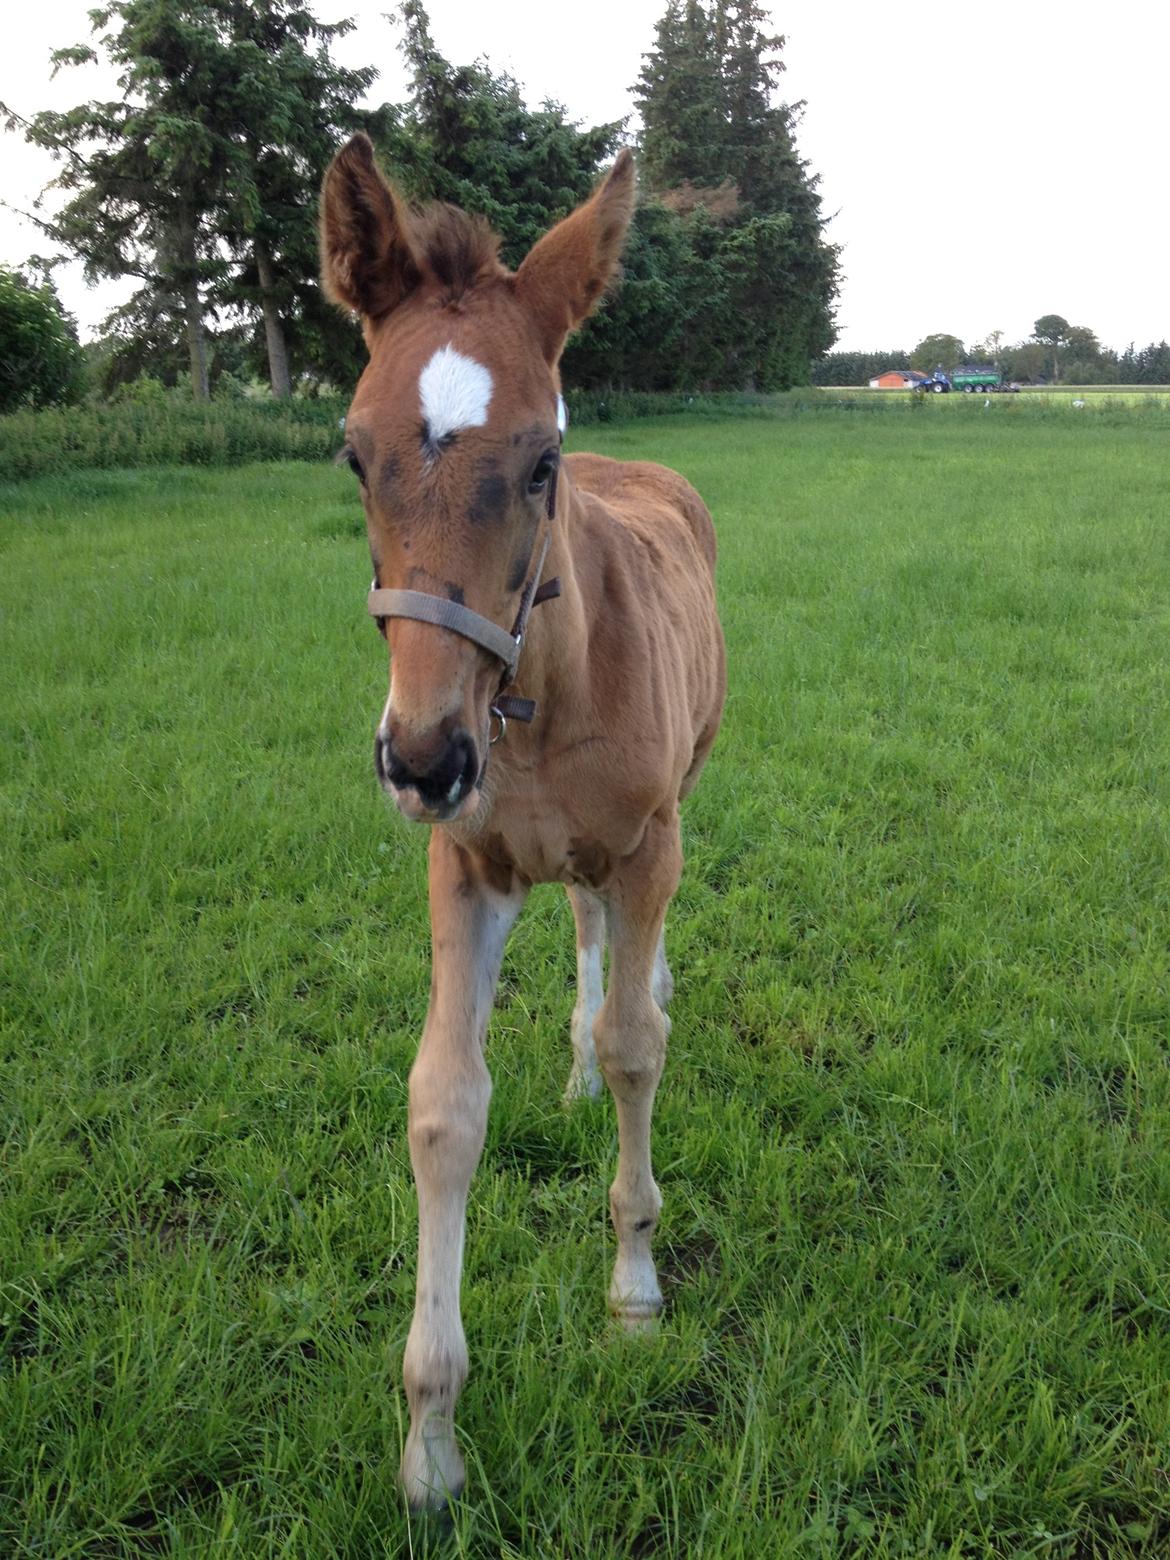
pixel 913 1133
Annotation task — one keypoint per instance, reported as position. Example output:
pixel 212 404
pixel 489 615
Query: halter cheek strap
pixel 425 608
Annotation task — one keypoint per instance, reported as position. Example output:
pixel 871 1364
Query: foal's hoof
pixel 432 1473
pixel 635 1299
pixel 637 1318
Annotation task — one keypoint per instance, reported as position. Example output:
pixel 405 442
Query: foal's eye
pixel 354 464
pixel 541 473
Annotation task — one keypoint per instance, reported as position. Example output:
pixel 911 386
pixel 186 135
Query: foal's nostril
pixel 382 757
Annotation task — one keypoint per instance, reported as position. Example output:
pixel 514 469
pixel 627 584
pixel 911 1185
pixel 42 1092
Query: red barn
pixel 897 379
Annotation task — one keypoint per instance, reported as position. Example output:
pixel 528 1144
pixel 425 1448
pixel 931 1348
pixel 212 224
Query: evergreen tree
pixel 280 106
pixel 856 368
pixel 467 137
pixel 682 102
pixel 705 95
pixel 229 113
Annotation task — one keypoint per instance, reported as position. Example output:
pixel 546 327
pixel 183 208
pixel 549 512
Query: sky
pixel 981 165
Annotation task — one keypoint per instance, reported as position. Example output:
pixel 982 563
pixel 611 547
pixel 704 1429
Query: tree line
pixel 1055 353
pixel 200 182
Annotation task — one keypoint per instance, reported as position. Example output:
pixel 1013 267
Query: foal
pixel 454 435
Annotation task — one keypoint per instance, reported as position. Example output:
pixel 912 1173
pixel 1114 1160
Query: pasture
pixel 914 1132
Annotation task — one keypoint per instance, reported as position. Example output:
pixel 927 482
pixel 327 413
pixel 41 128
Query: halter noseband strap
pixel 425 608
pixel 506 647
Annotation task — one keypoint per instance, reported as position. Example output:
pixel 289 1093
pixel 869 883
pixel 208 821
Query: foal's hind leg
pixel 589 915
pixel 630 1033
pixel 663 986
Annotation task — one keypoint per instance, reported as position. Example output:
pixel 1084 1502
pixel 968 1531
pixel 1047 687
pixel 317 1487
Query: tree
pixel 709 125
pixel 1027 361
pixel 1051 331
pixel 682 101
pixel 40 359
pixel 1149 365
pixel 467 137
pixel 987 351
pixel 856 368
pixel 1084 362
pixel 280 104
pixel 230 111
pixel 140 168
pixel 938 349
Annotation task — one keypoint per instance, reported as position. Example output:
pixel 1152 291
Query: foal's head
pixel 453 436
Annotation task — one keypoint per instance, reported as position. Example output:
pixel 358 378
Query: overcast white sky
pixel 984 164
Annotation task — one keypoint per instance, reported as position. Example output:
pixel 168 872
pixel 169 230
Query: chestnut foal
pixel 454 435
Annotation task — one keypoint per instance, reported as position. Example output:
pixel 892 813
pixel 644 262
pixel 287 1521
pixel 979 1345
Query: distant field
pixel 914 1132
pixel 1122 393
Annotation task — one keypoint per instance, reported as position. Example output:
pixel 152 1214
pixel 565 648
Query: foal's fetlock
pixel 433 1372
pixel 634 1296
pixel 662 983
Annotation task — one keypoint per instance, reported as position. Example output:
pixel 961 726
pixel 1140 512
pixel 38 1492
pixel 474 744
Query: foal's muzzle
pixel 434 788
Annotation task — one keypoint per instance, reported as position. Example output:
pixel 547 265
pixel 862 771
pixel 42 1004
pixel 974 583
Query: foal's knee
pixel 631 1046
pixel 448 1115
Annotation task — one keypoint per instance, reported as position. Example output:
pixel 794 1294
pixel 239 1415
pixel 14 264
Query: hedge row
pixel 170 430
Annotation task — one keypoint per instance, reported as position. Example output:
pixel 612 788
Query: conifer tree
pixel 201 180
pixel 467 137
pixel 705 95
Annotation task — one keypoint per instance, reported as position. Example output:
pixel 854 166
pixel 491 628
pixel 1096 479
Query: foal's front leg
pixel 473 906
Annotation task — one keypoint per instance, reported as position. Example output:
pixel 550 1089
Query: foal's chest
pixel 555 845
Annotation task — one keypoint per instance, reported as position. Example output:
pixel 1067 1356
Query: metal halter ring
pixel 495 714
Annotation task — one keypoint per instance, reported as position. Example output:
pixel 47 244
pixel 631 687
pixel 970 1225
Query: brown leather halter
pixel 506 647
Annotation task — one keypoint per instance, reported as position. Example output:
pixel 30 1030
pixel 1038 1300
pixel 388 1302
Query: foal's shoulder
pixel 639 491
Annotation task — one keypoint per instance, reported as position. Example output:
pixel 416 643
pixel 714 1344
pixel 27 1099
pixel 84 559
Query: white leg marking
pixel 662 985
pixel 454 392
pixel 584 1079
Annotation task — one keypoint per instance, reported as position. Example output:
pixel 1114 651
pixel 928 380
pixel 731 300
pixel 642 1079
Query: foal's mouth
pixel 411 804
pixel 449 789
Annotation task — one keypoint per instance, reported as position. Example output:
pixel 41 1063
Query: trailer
pixel 970 377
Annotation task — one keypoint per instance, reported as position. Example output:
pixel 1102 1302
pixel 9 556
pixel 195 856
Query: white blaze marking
pixel 454 391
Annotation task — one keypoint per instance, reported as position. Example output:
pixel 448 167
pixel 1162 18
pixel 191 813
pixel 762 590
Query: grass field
pixel 914 1133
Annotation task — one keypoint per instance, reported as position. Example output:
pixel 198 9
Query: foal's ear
pixel 565 273
pixel 367 258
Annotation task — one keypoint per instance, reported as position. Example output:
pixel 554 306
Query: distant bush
pixel 166 428
pixel 40 360
pixel 602 406
pixel 150 426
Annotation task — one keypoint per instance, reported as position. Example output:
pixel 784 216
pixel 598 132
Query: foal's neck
pixel 554 665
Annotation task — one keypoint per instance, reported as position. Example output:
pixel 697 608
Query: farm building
pixel 897 379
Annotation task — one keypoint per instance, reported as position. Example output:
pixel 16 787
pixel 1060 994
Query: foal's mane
pixel 459 250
